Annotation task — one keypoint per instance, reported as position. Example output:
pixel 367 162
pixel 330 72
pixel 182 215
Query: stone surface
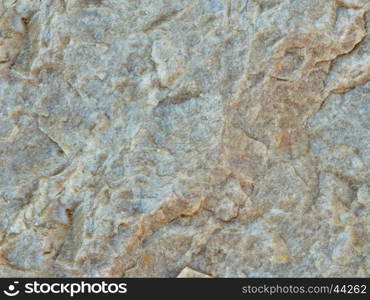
pixel 190 273
pixel 141 137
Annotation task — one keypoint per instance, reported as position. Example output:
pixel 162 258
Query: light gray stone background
pixel 140 138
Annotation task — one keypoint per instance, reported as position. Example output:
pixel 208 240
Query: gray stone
pixel 145 138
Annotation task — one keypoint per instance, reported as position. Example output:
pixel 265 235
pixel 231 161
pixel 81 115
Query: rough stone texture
pixel 141 137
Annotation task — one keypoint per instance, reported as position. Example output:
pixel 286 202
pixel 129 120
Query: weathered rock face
pixel 138 138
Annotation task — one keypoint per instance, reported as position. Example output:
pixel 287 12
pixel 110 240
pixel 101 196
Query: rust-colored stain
pixel 284 141
pixel 145 260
